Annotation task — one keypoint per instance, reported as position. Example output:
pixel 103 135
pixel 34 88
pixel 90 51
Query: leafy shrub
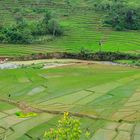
pixel 49 25
pixel 38 28
pixel 18 33
pixel 24 32
pixel 15 35
pixel 68 129
pixel 18 113
pixel 2 37
pixel 119 14
pixel 102 4
pixel 23 115
pixel 39 10
pixel 47 17
pixel 124 18
pixel 54 27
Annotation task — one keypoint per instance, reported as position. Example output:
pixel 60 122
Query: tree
pixel 15 34
pixel 2 37
pixel 68 3
pixel 67 129
pixel 54 27
pixel 121 16
pixel 38 28
pixel 21 22
pixel 47 17
pixel 24 32
pixel 48 25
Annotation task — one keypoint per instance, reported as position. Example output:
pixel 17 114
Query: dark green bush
pixel 119 14
pixel 15 34
pixel 2 37
pixel 24 32
pixel 47 17
pixel 38 28
pixel 49 25
pixel 54 27
pixel 126 18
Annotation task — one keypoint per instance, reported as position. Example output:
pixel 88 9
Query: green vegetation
pixel 102 98
pixel 18 33
pixel 68 129
pixel 24 33
pixel 121 16
pixel 84 27
pixel 25 115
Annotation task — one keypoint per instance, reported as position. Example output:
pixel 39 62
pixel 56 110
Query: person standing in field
pixel 100 44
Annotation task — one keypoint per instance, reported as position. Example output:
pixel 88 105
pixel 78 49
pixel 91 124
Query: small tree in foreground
pixel 68 129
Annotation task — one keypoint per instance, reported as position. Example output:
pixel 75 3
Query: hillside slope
pixel 83 28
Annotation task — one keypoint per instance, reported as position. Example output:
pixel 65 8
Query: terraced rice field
pixel 83 28
pixel 108 95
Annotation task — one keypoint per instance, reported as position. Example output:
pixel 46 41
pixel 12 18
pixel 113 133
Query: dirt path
pixel 27 108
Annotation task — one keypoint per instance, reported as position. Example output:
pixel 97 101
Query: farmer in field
pixel 3 60
pixel 9 95
pixel 100 44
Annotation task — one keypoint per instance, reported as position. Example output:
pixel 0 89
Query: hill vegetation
pixel 120 14
pixel 99 99
pixel 24 32
pixel 84 26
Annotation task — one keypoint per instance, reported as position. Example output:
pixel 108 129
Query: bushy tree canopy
pixel 24 31
pixel 18 33
pixel 122 17
pixel 68 129
pixel 54 28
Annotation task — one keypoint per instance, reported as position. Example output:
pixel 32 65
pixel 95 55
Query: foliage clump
pixel 25 32
pixel 49 25
pixel 25 115
pixel 18 33
pixel 67 129
pixel 120 15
